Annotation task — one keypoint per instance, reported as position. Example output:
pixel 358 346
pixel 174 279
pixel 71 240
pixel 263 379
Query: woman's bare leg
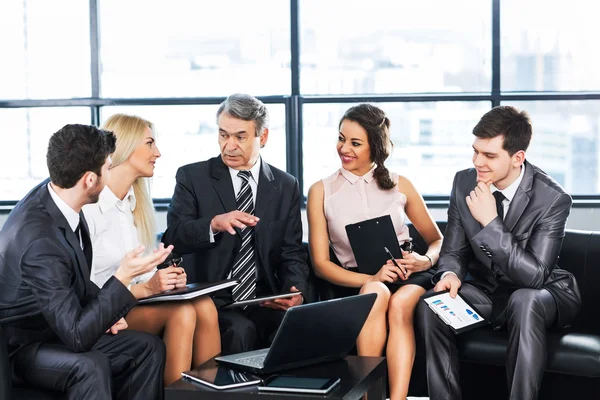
pixel 401 341
pixel 207 338
pixel 176 322
pixel 372 337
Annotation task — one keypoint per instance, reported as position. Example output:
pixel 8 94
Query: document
pixel 457 313
pixel 191 291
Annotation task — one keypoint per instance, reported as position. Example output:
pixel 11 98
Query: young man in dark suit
pixel 63 332
pixel 506 223
pixel 240 217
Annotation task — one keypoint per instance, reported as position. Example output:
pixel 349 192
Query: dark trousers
pixel 249 329
pixel 128 365
pixel 530 312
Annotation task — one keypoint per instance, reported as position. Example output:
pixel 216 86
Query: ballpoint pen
pixel 394 261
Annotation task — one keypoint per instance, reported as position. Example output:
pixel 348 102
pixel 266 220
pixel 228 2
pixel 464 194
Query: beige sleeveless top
pixel 349 199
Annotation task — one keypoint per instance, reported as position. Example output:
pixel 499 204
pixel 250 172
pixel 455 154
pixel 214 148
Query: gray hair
pixel 248 108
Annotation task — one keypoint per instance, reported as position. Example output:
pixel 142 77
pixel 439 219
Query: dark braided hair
pixel 377 125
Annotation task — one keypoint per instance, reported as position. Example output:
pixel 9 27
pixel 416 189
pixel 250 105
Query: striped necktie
pixel 244 265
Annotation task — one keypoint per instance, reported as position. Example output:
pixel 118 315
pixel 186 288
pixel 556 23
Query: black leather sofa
pixel 573 367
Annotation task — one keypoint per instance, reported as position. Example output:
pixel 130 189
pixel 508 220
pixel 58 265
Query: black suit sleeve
pixel 49 271
pixel 293 270
pixel 187 231
pixel 456 249
pixel 528 267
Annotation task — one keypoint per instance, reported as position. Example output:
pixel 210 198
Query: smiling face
pixel 239 144
pixel 353 148
pixel 143 158
pixel 494 164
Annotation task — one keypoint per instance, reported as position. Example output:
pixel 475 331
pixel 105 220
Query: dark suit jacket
pixel 519 252
pixel 45 290
pixel 204 189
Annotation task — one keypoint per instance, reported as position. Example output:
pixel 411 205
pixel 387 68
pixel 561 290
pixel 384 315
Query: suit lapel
pixel 521 200
pixel 222 184
pixel 70 236
pixel 265 191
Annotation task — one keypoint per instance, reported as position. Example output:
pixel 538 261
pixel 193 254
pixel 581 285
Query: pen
pixel 394 261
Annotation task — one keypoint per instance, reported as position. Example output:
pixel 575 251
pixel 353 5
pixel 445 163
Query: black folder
pixel 369 239
pixel 191 291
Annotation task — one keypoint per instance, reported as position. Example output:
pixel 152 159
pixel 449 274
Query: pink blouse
pixel 349 199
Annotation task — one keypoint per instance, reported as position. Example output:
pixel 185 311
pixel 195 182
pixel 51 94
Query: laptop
pixel 309 334
pixel 369 239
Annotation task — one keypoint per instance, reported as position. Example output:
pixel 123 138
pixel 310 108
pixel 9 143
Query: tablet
pixel 258 300
pixel 220 377
pixel 192 290
pixel 458 313
pixel 369 239
pixel 299 384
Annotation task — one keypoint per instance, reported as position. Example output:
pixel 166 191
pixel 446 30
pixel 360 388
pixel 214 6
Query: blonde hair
pixel 130 131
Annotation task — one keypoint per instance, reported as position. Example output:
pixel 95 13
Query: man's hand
pixel 120 325
pixel 167 279
pixel 234 219
pixel 284 304
pixel 449 282
pixel 133 264
pixel 482 204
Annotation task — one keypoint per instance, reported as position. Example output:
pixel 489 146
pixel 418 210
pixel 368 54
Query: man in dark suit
pixel 506 223
pixel 63 332
pixel 240 217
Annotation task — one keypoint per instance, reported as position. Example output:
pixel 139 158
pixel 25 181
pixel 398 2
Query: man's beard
pixel 94 193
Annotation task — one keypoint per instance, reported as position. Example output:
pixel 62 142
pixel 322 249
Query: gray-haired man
pixel 240 217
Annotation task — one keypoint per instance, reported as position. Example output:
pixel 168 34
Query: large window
pixel 566 142
pixel 24 134
pixel 353 47
pixel 434 66
pixel 45 47
pixel 431 141
pixel 194 48
pixel 187 134
pixel 550 47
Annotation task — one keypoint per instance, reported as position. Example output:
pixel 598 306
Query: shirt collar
pixel 108 200
pixel 71 215
pixel 255 170
pixel 350 177
pixel 510 191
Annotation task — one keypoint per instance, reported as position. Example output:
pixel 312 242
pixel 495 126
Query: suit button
pixel 482 247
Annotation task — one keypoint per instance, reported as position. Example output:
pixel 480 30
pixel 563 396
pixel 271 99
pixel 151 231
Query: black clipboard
pixel 369 239
pixel 459 314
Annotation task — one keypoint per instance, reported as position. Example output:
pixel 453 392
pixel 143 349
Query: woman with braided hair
pixel 363 188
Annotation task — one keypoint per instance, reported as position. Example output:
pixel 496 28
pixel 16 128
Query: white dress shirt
pixel 508 192
pixel 71 215
pixel 113 234
pixel 237 185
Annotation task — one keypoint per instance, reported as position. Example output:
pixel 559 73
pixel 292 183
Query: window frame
pixel 295 101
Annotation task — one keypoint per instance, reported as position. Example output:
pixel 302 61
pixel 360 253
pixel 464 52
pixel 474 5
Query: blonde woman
pixel 123 219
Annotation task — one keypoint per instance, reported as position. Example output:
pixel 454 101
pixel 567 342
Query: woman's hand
pixel 167 279
pixel 413 262
pixel 388 273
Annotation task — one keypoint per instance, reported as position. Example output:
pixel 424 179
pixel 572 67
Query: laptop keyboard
pixel 255 361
